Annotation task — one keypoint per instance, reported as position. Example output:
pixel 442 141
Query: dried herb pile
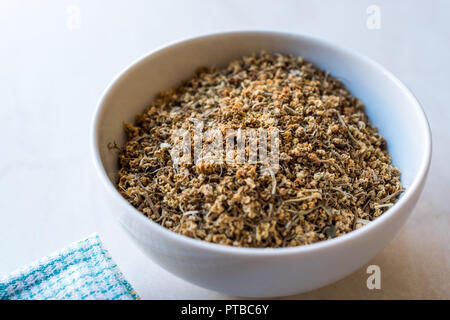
pixel 334 175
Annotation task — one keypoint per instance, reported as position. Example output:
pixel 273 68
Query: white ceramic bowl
pixel 264 272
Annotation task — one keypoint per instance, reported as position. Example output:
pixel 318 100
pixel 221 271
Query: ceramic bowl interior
pixel 398 120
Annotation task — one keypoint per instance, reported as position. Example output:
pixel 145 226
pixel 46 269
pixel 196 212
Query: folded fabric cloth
pixel 83 270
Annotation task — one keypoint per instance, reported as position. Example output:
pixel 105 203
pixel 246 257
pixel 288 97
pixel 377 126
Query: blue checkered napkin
pixel 83 270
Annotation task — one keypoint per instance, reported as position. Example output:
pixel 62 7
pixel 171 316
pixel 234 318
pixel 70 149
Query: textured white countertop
pixel 56 57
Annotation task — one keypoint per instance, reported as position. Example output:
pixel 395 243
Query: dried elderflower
pixel 333 175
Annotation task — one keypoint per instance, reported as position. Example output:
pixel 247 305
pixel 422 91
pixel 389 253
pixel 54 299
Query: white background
pixel 53 70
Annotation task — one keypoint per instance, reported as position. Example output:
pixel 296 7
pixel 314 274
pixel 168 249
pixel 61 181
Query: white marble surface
pixel 53 69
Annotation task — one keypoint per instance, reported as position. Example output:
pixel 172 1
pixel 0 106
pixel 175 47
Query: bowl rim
pixel 229 249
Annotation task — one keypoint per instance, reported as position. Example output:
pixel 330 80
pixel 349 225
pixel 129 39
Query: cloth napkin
pixel 83 270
